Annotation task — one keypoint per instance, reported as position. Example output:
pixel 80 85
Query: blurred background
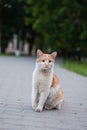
pixel 60 25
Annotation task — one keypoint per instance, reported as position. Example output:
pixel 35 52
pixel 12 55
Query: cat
pixel 46 91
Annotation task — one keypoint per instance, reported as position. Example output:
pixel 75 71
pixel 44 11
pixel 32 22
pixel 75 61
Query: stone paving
pixel 15 98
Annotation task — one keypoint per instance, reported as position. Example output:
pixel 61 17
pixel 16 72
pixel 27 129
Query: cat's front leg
pixel 42 100
pixel 34 98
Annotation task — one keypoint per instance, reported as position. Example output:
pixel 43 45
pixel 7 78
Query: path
pixel 15 99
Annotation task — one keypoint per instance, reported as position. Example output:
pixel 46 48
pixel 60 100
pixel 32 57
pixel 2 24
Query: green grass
pixel 78 67
pixel 7 54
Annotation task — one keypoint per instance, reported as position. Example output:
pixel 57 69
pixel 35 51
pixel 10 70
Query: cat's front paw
pixel 39 109
pixel 34 106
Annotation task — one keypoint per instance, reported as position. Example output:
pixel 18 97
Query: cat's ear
pixel 54 54
pixel 39 53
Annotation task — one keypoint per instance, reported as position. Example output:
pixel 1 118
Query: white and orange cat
pixel 46 91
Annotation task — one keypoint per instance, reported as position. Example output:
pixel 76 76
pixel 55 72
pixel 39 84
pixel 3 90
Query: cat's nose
pixel 46 65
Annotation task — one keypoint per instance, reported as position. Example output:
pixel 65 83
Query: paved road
pixel 15 99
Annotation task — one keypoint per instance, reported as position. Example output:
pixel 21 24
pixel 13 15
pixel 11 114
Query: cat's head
pixel 45 61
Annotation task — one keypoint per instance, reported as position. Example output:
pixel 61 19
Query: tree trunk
pixel 0 34
pixel 18 41
pixel 3 46
pixel 0 40
pixel 30 48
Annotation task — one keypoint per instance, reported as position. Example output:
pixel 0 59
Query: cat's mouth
pixel 46 68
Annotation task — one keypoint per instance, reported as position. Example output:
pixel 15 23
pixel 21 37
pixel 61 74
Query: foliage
pixel 51 25
pixel 10 20
pixel 58 22
pixel 78 67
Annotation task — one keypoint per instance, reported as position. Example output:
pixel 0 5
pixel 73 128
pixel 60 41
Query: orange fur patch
pixel 55 81
pixel 44 57
pixel 59 95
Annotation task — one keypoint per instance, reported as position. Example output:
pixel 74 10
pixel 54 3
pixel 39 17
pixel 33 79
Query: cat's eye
pixel 43 60
pixel 49 61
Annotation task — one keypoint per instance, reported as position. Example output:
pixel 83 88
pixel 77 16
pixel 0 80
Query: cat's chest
pixel 43 79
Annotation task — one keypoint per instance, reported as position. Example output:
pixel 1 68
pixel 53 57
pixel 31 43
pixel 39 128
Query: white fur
pixel 41 82
pixel 50 98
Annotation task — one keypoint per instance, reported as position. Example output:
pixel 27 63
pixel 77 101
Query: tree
pixel 61 23
pixel 12 15
pixel 9 22
pixel 49 24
